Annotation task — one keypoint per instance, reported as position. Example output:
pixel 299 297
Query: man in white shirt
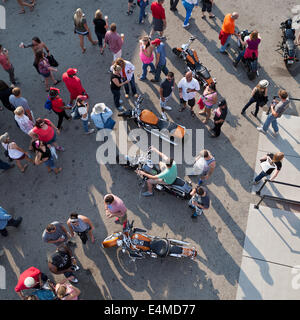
pixel 188 87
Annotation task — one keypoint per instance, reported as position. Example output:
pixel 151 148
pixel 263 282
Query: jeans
pixel 4 165
pixel 117 95
pixel 159 69
pixel 252 100
pixel 85 125
pixel 163 103
pixel 132 85
pixel 198 211
pixel 223 48
pixel 240 56
pixel 188 8
pixel 100 37
pixel 270 120
pixel 145 67
pixel 50 163
pixel 217 129
pixel 260 176
pixel 61 116
pixel 142 15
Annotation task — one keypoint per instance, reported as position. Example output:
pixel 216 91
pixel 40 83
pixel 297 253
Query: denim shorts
pixel 52 140
pixel 50 163
pixel 45 75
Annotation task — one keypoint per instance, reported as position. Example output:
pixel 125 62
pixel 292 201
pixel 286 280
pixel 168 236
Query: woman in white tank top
pixel 15 152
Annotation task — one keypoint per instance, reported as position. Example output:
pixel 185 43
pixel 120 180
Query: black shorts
pixel 130 1
pixel 190 102
pixel 158 24
pixel 206 6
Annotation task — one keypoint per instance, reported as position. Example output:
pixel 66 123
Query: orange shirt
pixel 228 24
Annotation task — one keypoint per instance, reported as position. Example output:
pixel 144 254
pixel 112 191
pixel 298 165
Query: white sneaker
pixel 164 116
pixel 186 25
pixel 260 129
pixel 90 131
pixel 167 108
pixel 275 134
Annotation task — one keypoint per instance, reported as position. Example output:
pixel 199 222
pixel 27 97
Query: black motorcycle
pixel 250 64
pixel 180 188
pixel 287 46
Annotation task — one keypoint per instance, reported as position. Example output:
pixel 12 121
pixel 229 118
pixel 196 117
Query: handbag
pixel 201 104
pixel 7 154
pixel 74 113
pixel 52 61
pixel 109 124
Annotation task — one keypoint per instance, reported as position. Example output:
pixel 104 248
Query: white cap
pixel 263 83
pixel 29 282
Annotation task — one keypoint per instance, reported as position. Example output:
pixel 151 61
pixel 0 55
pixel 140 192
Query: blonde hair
pixel 278 156
pixel 120 62
pixel 98 14
pixel 61 291
pixel 19 111
pixel 78 16
pixel 117 68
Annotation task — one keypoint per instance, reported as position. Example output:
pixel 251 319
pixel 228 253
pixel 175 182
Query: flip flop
pixel 25 167
pixel 58 171
pixel 193 114
pixel 212 17
pixel 182 109
pixel 22 12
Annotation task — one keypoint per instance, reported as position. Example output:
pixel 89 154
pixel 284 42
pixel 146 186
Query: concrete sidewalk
pixel 271 256
pixel 288 142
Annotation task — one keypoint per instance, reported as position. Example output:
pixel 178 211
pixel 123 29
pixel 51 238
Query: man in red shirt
pixel 159 23
pixel 58 106
pixel 30 278
pixel 7 66
pixel 73 84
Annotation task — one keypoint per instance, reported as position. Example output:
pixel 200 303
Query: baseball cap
pixel 82 98
pixel 53 92
pixel 71 71
pixel 264 83
pixel 29 282
pixel 156 42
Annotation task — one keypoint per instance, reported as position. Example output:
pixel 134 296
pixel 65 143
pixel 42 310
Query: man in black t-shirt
pixel 62 261
pixel 165 91
pixel 219 118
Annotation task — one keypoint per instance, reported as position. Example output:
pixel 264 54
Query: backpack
pixel 74 113
pixel 44 294
pixel 48 104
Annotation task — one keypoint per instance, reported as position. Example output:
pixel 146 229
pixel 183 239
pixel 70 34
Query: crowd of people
pixel 42 133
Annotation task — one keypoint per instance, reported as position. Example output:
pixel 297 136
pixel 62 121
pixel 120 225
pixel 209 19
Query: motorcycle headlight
pixel 119 243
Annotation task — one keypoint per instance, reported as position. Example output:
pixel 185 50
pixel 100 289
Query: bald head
pixel 234 15
pixel 189 76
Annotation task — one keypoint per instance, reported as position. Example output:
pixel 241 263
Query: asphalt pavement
pixel 41 198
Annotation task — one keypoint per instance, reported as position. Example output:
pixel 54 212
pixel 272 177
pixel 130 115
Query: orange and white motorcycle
pixel 139 244
pixel 193 63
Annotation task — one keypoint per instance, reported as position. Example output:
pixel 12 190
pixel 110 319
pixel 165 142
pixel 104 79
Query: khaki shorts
pixel 156 181
pixel 123 218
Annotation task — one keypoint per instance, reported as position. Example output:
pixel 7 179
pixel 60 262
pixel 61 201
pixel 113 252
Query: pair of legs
pixel 142 15
pixel 216 130
pixel 83 236
pixel 19 163
pixel 159 69
pixel 11 73
pixel 191 103
pixel 198 211
pixel 132 85
pixel 188 8
pixel 61 116
pixel 173 5
pixel 270 120
pixel 85 125
pixel 157 26
pixel 51 166
pixel 260 176
pixel 145 67
pixel 23 4
pixel 150 183
pixel 226 44
pixel 11 223
pixel 47 77
pixel 81 39
pixel 252 100
pixel 207 6
pixel 131 5
pixel 207 113
pixel 100 38
pixel 117 95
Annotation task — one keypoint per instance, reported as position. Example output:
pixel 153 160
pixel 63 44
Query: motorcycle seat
pixel 166 125
pixel 290 34
pixel 175 249
pixel 160 247
pixel 290 44
pixel 179 182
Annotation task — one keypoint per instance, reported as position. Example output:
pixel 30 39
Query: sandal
pixel 212 17
pixel 84 50
pixel 58 170
pixel 24 168
pixel 181 109
pixel 57 82
pixel 22 11
pixel 192 113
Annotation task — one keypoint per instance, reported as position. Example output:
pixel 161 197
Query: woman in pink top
pixel 209 98
pixel 146 55
pixel 44 130
pixel 66 291
pixel 114 207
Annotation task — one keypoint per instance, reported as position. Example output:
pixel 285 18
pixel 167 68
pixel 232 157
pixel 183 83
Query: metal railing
pixel 265 196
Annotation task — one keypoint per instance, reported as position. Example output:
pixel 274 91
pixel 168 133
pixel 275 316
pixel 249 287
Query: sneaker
pixel 193 216
pixel 90 131
pixel 120 108
pixel 74 280
pixel 18 221
pixel 186 25
pixel 164 116
pixel 153 80
pixel 120 101
pixel 75 267
pixel 255 182
pixel 117 221
pixel 126 96
pixel 260 129
pixel 147 194
pixel 167 108
pixel 136 95
pixel 224 52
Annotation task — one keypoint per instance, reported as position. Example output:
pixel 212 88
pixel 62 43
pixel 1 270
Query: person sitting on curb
pixel 6 220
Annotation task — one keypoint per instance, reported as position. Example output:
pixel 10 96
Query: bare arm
pixel 163 156
pixel 275 174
